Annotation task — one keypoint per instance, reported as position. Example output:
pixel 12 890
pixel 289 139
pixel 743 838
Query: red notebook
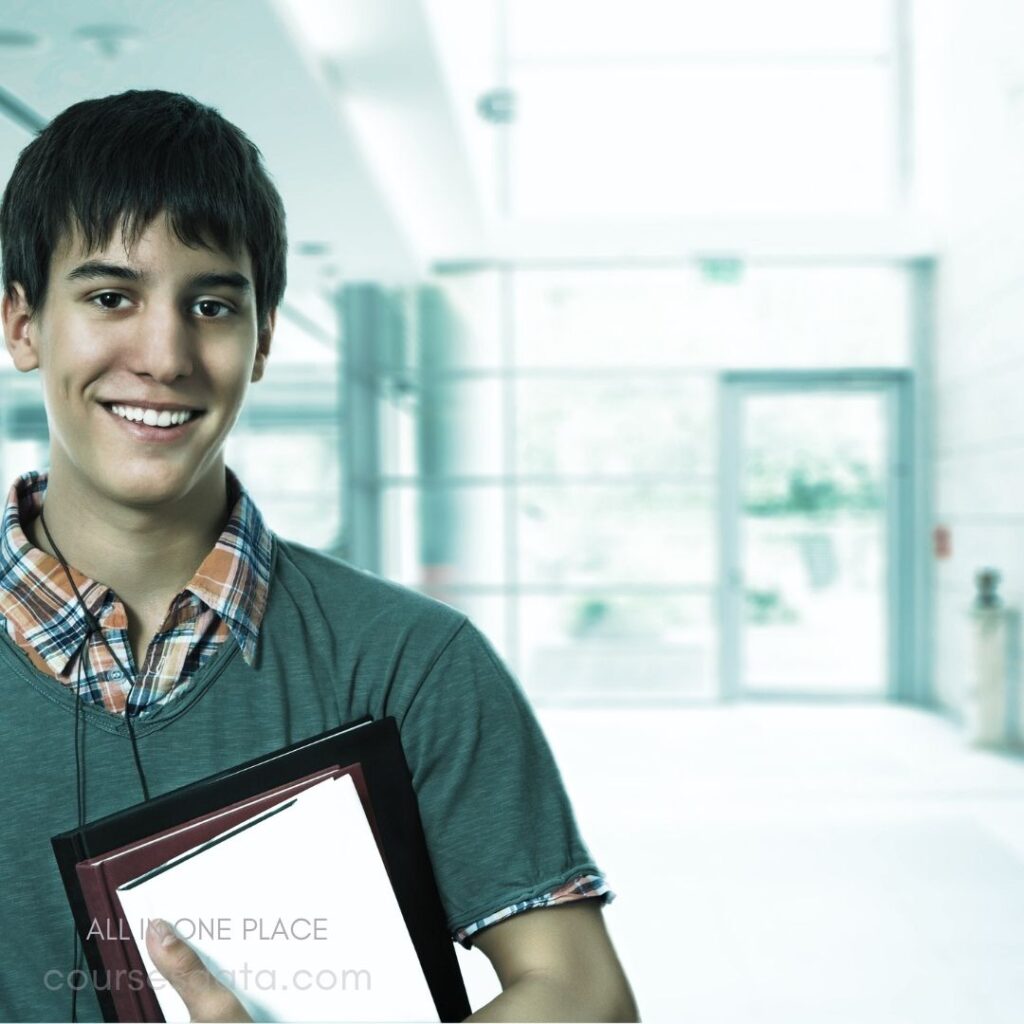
pixel 99 878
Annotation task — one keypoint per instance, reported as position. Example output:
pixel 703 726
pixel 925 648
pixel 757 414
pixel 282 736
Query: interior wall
pixel 974 89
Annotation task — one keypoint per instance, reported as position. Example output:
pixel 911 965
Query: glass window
pixel 460 429
pixel 401 535
pixel 632 534
pixel 616 425
pixel 441 535
pixel 446 428
pixel 398 420
pixel 18 457
pixel 294 478
pixel 591 558
pixel 596 646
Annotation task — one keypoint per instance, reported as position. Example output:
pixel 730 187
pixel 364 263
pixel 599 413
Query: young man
pixel 144 259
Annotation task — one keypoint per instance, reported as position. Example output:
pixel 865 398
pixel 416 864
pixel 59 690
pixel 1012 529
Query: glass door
pixel 811 481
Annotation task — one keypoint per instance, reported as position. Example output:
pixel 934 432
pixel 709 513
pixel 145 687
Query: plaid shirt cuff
pixel 579 887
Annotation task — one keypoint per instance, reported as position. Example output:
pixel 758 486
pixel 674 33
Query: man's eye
pixel 209 309
pixel 103 298
pixel 204 306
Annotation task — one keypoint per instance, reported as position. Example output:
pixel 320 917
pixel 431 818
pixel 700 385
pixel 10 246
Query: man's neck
pixel 146 555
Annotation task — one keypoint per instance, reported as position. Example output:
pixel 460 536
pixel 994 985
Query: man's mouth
pixel 151 417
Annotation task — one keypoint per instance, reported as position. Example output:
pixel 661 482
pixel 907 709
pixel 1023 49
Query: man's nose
pixel 165 343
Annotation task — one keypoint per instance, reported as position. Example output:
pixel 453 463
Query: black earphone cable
pixel 92 626
pixel 80 795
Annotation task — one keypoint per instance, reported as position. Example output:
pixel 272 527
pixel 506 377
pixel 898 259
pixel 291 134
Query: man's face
pixel 163 324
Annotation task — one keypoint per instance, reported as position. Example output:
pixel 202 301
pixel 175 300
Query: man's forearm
pixel 543 997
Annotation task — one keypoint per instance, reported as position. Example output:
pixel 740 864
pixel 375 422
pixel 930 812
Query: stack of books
pixel 300 878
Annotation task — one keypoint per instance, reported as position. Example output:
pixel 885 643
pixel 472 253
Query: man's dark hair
pixel 132 155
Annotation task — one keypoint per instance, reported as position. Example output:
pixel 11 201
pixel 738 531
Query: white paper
pixel 295 913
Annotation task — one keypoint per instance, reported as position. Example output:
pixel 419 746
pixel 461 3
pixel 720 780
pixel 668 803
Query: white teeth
pixel 151 417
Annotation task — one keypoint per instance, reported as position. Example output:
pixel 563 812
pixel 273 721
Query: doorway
pixel 814 475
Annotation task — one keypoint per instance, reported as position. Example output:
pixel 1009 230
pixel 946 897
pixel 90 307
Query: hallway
pixel 849 864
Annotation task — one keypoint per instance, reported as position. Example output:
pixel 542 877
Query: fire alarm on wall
pixel 943 541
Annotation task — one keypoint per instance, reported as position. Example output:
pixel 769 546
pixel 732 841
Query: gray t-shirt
pixel 335 644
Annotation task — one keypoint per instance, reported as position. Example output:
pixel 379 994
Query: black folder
pixel 370 751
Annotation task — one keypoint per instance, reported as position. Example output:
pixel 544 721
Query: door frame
pixel 895 385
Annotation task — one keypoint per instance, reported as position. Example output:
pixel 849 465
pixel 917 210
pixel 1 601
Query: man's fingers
pixel 204 996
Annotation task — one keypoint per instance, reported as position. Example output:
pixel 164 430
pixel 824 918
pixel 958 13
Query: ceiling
pixel 365 111
pixel 344 98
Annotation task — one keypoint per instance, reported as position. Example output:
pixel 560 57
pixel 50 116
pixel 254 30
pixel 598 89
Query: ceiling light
pixel 12 39
pixel 313 248
pixel 109 41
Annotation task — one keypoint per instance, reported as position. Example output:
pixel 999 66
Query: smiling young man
pixel 143 262
pixel 139 500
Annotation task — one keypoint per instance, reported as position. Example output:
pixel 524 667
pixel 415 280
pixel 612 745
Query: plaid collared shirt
pixel 226 596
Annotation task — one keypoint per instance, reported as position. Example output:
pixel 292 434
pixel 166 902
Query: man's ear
pixel 20 329
pixel 263 345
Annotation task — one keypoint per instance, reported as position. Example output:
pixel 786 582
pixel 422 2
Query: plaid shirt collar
pixel 233 579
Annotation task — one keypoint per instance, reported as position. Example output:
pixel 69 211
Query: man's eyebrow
pixel 221 279
pixel 93 269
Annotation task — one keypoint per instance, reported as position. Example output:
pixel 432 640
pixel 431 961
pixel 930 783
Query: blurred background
pixel 679 344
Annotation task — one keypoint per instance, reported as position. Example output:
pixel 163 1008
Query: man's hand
pixel 204 996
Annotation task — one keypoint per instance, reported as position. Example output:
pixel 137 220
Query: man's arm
pixel 556 964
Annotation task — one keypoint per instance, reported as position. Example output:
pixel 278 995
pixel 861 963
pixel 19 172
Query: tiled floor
pixel 849 864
